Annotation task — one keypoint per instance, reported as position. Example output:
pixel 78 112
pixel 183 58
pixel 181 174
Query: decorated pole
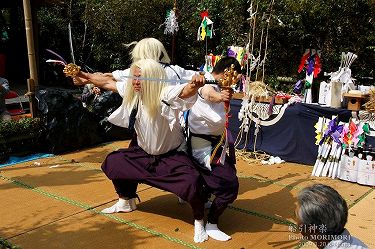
pixel 33 80
pixel 171 27
pixel 206 31
pixel 174 33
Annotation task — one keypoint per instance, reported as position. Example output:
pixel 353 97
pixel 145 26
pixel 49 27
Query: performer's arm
pixel 104 81
pixel 192 87
pixel 210 94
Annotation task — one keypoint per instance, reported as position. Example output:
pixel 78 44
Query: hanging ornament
pixel 238 53
pixel 208 66
pixel 320 127
pixel 304 58
pixel 251 12
pixel 318 65
pixel 311 63
pixel 171 24
pixel 206 29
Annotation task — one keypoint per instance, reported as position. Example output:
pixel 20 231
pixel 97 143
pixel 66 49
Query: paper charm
pixel 345 136
pixel 319 128
pixel 304 58
pixel 356 134
pixel 208 66
pixel 171 24
pixel 206 29
pixel 360 134
pixel 311 62
pixel 362 137
pixel 334 130
pixel 237 52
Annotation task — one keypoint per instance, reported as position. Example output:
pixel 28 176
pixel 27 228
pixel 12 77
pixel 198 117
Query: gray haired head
pixel 321 205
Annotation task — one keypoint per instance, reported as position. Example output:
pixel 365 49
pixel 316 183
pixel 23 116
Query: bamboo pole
pixel 174 35
pixel 31 95
pixel 31 53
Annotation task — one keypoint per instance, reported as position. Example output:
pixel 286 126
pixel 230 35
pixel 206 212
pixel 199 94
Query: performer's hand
pixel 197 81
pixel 79 81
pixel 226 94
pixel 192 87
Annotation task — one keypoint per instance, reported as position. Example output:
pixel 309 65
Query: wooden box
pixel 355 101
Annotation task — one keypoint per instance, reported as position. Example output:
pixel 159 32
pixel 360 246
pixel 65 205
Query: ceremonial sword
pixel 170 81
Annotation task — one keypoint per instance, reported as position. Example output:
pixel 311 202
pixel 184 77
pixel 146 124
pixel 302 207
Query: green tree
pixel 101 28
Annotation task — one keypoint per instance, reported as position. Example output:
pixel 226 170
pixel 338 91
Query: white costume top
pixel 346 241
pixel 165 133
pixel 173 72
pixel 206 117
pixel 156 138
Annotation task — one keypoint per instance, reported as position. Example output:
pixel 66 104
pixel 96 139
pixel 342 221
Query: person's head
pixel 321 206
pixel 150 48
pixel 224 63
pixel 149 91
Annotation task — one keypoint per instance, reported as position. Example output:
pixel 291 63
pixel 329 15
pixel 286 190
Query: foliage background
pixel 101 28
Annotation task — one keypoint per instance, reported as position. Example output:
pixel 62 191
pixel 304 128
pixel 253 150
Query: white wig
pixel 150 48
pixel 151 90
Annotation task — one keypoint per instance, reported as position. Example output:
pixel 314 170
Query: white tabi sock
pixel 121 205
pixel 200 234
pixel 214 232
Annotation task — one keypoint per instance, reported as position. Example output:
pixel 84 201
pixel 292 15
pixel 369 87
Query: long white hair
pixel 150 48
pixel 151 90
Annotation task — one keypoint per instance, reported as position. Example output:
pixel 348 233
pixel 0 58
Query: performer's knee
pixel 232 190
pixel 193 179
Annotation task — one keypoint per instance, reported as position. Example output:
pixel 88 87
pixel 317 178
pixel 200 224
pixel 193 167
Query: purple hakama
pixel 173 171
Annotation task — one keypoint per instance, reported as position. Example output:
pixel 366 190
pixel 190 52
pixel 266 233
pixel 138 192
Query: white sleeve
pixel 121 85
pixel 183 73
pixel 121 75
pixel 171 97
pixel 120 116
pixel 172 104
